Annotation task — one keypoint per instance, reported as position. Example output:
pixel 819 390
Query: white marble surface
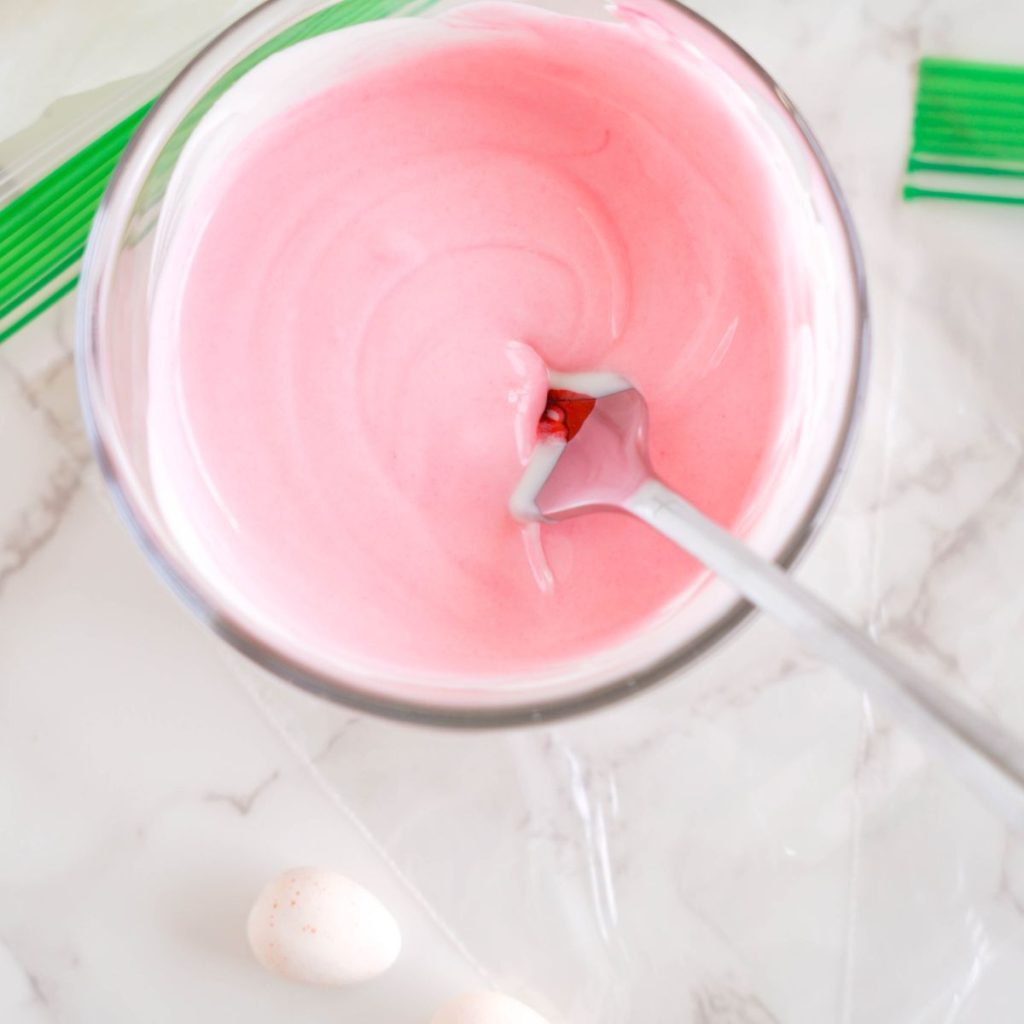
pixel 749 845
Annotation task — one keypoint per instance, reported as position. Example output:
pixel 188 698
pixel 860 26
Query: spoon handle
pixel 984 756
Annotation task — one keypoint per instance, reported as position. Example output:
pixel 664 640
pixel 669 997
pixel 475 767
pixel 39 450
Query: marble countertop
pixel 751 844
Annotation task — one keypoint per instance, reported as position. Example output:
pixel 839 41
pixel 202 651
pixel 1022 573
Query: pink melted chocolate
pixel 353 377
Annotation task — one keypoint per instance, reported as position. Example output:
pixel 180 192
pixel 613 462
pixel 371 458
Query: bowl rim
pixel 111 221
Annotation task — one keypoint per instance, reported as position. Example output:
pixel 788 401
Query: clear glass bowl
pixel 113 371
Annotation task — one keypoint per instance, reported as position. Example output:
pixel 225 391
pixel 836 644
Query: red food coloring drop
pixel 564 414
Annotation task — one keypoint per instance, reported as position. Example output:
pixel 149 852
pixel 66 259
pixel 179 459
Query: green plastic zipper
pixel 44 230
pixel 968 126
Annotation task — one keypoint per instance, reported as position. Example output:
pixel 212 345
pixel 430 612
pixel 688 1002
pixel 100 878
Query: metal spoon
pixel 592 456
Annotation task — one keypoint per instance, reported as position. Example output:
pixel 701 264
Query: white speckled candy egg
pixel 486 1008
pixel 322 928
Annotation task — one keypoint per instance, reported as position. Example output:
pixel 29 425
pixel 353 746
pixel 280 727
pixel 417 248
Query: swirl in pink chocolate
pixel 357 310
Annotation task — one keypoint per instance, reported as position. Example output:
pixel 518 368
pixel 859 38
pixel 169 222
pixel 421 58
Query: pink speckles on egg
pixel 332 932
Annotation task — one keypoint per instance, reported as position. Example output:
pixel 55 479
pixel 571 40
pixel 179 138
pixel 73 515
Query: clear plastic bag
pixel 750 843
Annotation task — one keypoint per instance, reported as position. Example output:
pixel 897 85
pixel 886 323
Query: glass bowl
pixel 113 341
